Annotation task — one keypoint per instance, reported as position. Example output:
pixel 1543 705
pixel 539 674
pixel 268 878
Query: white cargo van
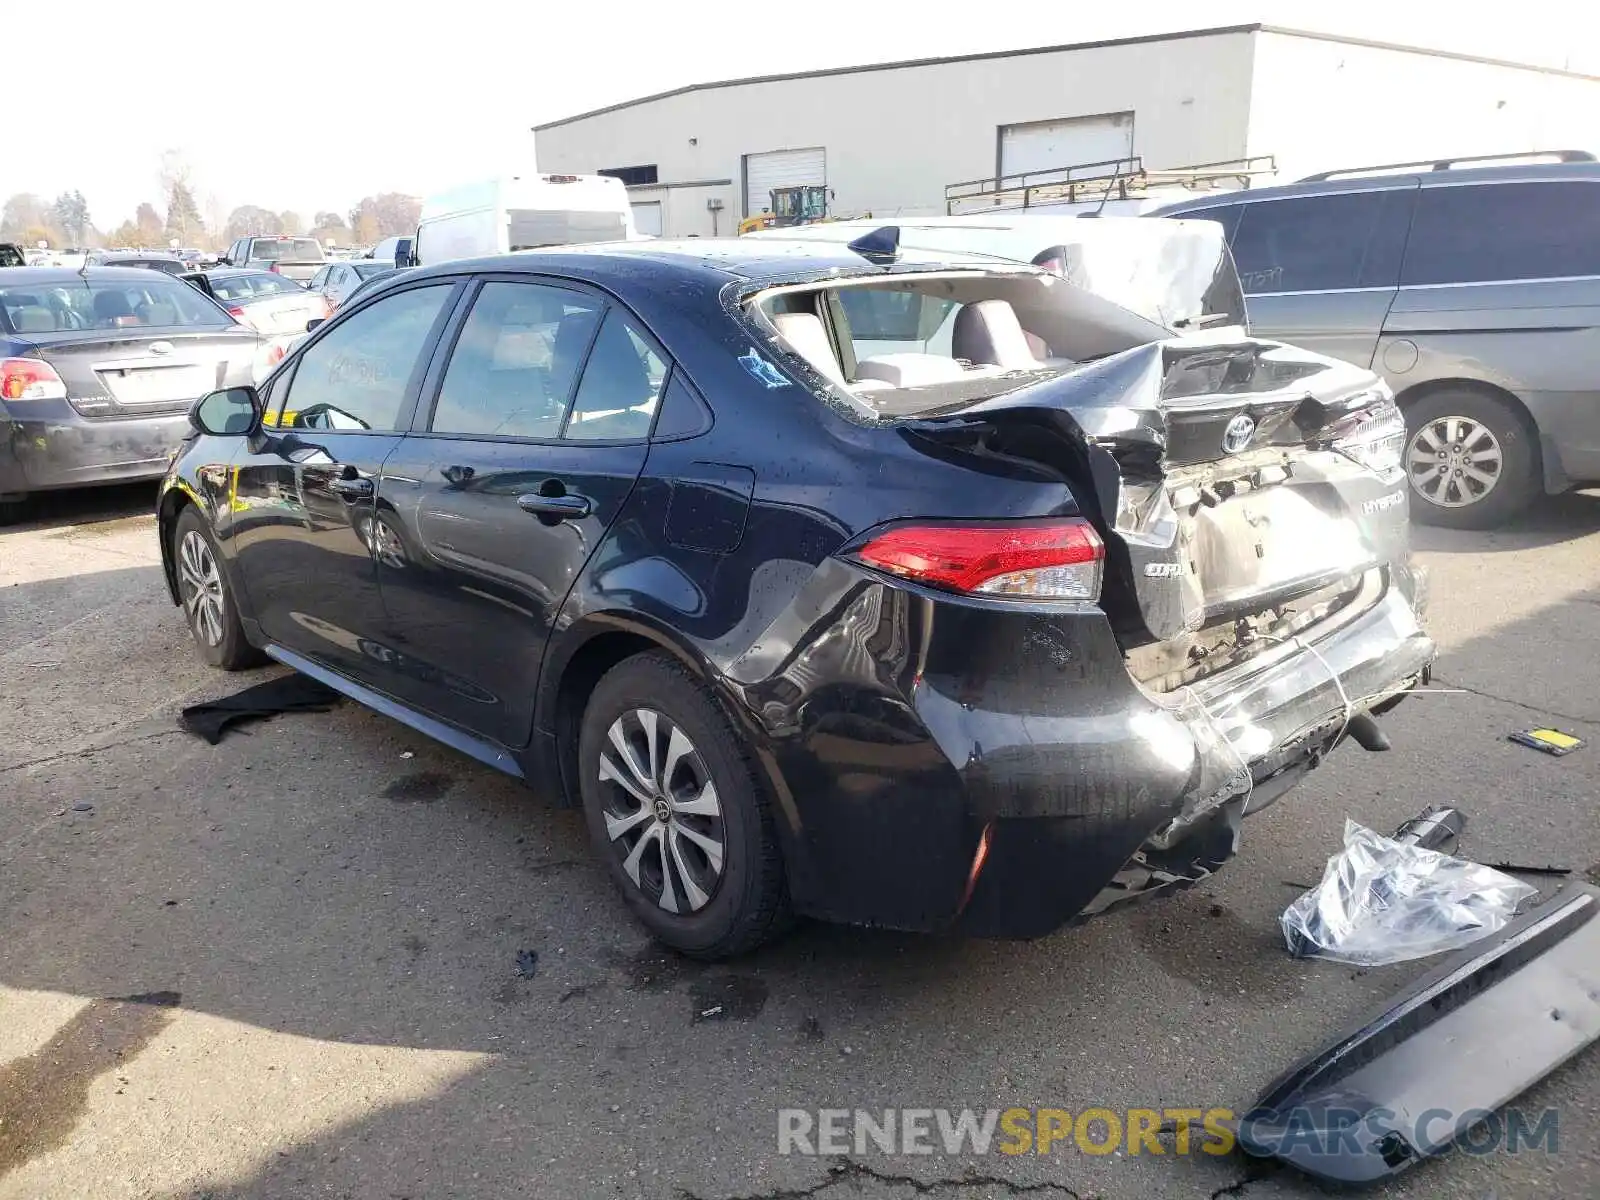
pixel 522 212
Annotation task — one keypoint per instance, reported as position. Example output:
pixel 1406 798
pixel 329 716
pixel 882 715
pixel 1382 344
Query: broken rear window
pixel 919 343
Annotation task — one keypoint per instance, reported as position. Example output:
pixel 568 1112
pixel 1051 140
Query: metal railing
pixel 1108 179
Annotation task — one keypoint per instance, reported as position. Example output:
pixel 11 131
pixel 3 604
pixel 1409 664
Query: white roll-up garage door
pixel 1049 145
pixel 780 168
pixel 647 217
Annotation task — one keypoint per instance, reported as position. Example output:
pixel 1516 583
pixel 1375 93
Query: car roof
pixel 16 276
pixel 714 260
pixel 1452 177
pixel 232 272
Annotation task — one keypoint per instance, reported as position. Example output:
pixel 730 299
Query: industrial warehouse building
pixel 888 139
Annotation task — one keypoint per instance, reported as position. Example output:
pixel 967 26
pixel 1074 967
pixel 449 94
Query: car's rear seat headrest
pixel 806 337
pixel 988 333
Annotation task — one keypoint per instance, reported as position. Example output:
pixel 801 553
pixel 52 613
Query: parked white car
pixel 1177 273
pixel 268 303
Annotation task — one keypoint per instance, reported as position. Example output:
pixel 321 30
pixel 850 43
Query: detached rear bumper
pixel 1437 1060
pixel 1024 734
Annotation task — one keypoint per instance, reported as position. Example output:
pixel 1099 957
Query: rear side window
pixel 1311 243
pixel 513 368
pixel 356 377
pixel 277 285
pixel 621 384
pixel 286 249
pixel 1504 231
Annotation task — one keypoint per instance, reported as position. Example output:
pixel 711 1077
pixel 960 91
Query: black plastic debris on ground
pixel 291 693
pixel 527 963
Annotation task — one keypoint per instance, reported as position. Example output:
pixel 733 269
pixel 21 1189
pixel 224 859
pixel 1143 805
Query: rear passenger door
pixel 530 436
pixel 1321 271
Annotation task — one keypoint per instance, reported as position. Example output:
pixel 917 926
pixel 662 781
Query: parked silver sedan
pixel 337 281
pixel 268 303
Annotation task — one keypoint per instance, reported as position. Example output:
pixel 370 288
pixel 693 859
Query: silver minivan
pixel 1472 286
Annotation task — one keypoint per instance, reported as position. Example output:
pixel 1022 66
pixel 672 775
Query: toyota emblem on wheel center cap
pixel 1238 433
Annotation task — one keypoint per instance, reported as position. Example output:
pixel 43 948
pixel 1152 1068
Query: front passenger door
pixel 537 435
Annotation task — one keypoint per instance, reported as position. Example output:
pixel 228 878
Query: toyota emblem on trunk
pixel 1238 433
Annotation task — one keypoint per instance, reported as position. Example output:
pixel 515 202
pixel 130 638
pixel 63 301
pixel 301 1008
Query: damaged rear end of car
pixel 1171 575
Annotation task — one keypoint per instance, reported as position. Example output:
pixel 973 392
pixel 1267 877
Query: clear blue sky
pixel 303 105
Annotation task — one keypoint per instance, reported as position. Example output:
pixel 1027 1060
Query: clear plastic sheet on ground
pixel 1384 901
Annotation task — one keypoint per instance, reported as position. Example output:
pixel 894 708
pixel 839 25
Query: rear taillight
pixel 1374 436
pixel 274 269
pixel 30 379
pixel 1036 560
pixel 236 312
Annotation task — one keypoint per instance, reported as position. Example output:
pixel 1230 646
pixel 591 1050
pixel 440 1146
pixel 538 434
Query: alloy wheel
pixel 661 810
pixel 1454 461
pixel 200 586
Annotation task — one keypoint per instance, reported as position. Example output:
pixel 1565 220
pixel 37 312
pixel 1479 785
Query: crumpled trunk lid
pixel 1230 520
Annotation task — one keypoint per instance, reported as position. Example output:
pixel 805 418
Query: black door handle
pixel 562 508
pixel 354 488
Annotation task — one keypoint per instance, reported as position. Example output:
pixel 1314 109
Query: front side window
pixel 1504 231
pixel 512 371
pixel 1308 244
pixel 356 377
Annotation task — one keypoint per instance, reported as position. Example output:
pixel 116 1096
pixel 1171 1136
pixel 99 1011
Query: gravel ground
pixel 327 925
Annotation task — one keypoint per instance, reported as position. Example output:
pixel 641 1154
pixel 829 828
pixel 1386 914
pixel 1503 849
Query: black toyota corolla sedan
pixel 923 592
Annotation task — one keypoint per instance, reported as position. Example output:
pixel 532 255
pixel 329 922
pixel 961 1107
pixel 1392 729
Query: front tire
pixel 677 813
pixel 209 605
pixel 1470 460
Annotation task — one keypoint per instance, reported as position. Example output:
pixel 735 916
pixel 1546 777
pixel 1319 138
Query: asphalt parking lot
pixel 333 924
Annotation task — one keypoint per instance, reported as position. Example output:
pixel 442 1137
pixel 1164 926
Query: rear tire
pixel 1470 460
pixel 677 813
pixel 209 606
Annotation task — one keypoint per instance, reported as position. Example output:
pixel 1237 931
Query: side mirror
pixel 224 261
pixel 229 413
pixel 314 322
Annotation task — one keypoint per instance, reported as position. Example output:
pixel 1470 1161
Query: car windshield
pixel 925 342
pixel 60 306
pixel 256 286
pixel 287 249
pixel 371 270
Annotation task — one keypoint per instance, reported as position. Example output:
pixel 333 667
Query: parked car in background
pixel 394 250
pixel 1176 273
pixel 297 258
pixel 266 302
pixel 12 255
pixel 1471 285
pixel 522 213
pixel 336 281
pixel 97 370
pixel 596 518
pixel 149 262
